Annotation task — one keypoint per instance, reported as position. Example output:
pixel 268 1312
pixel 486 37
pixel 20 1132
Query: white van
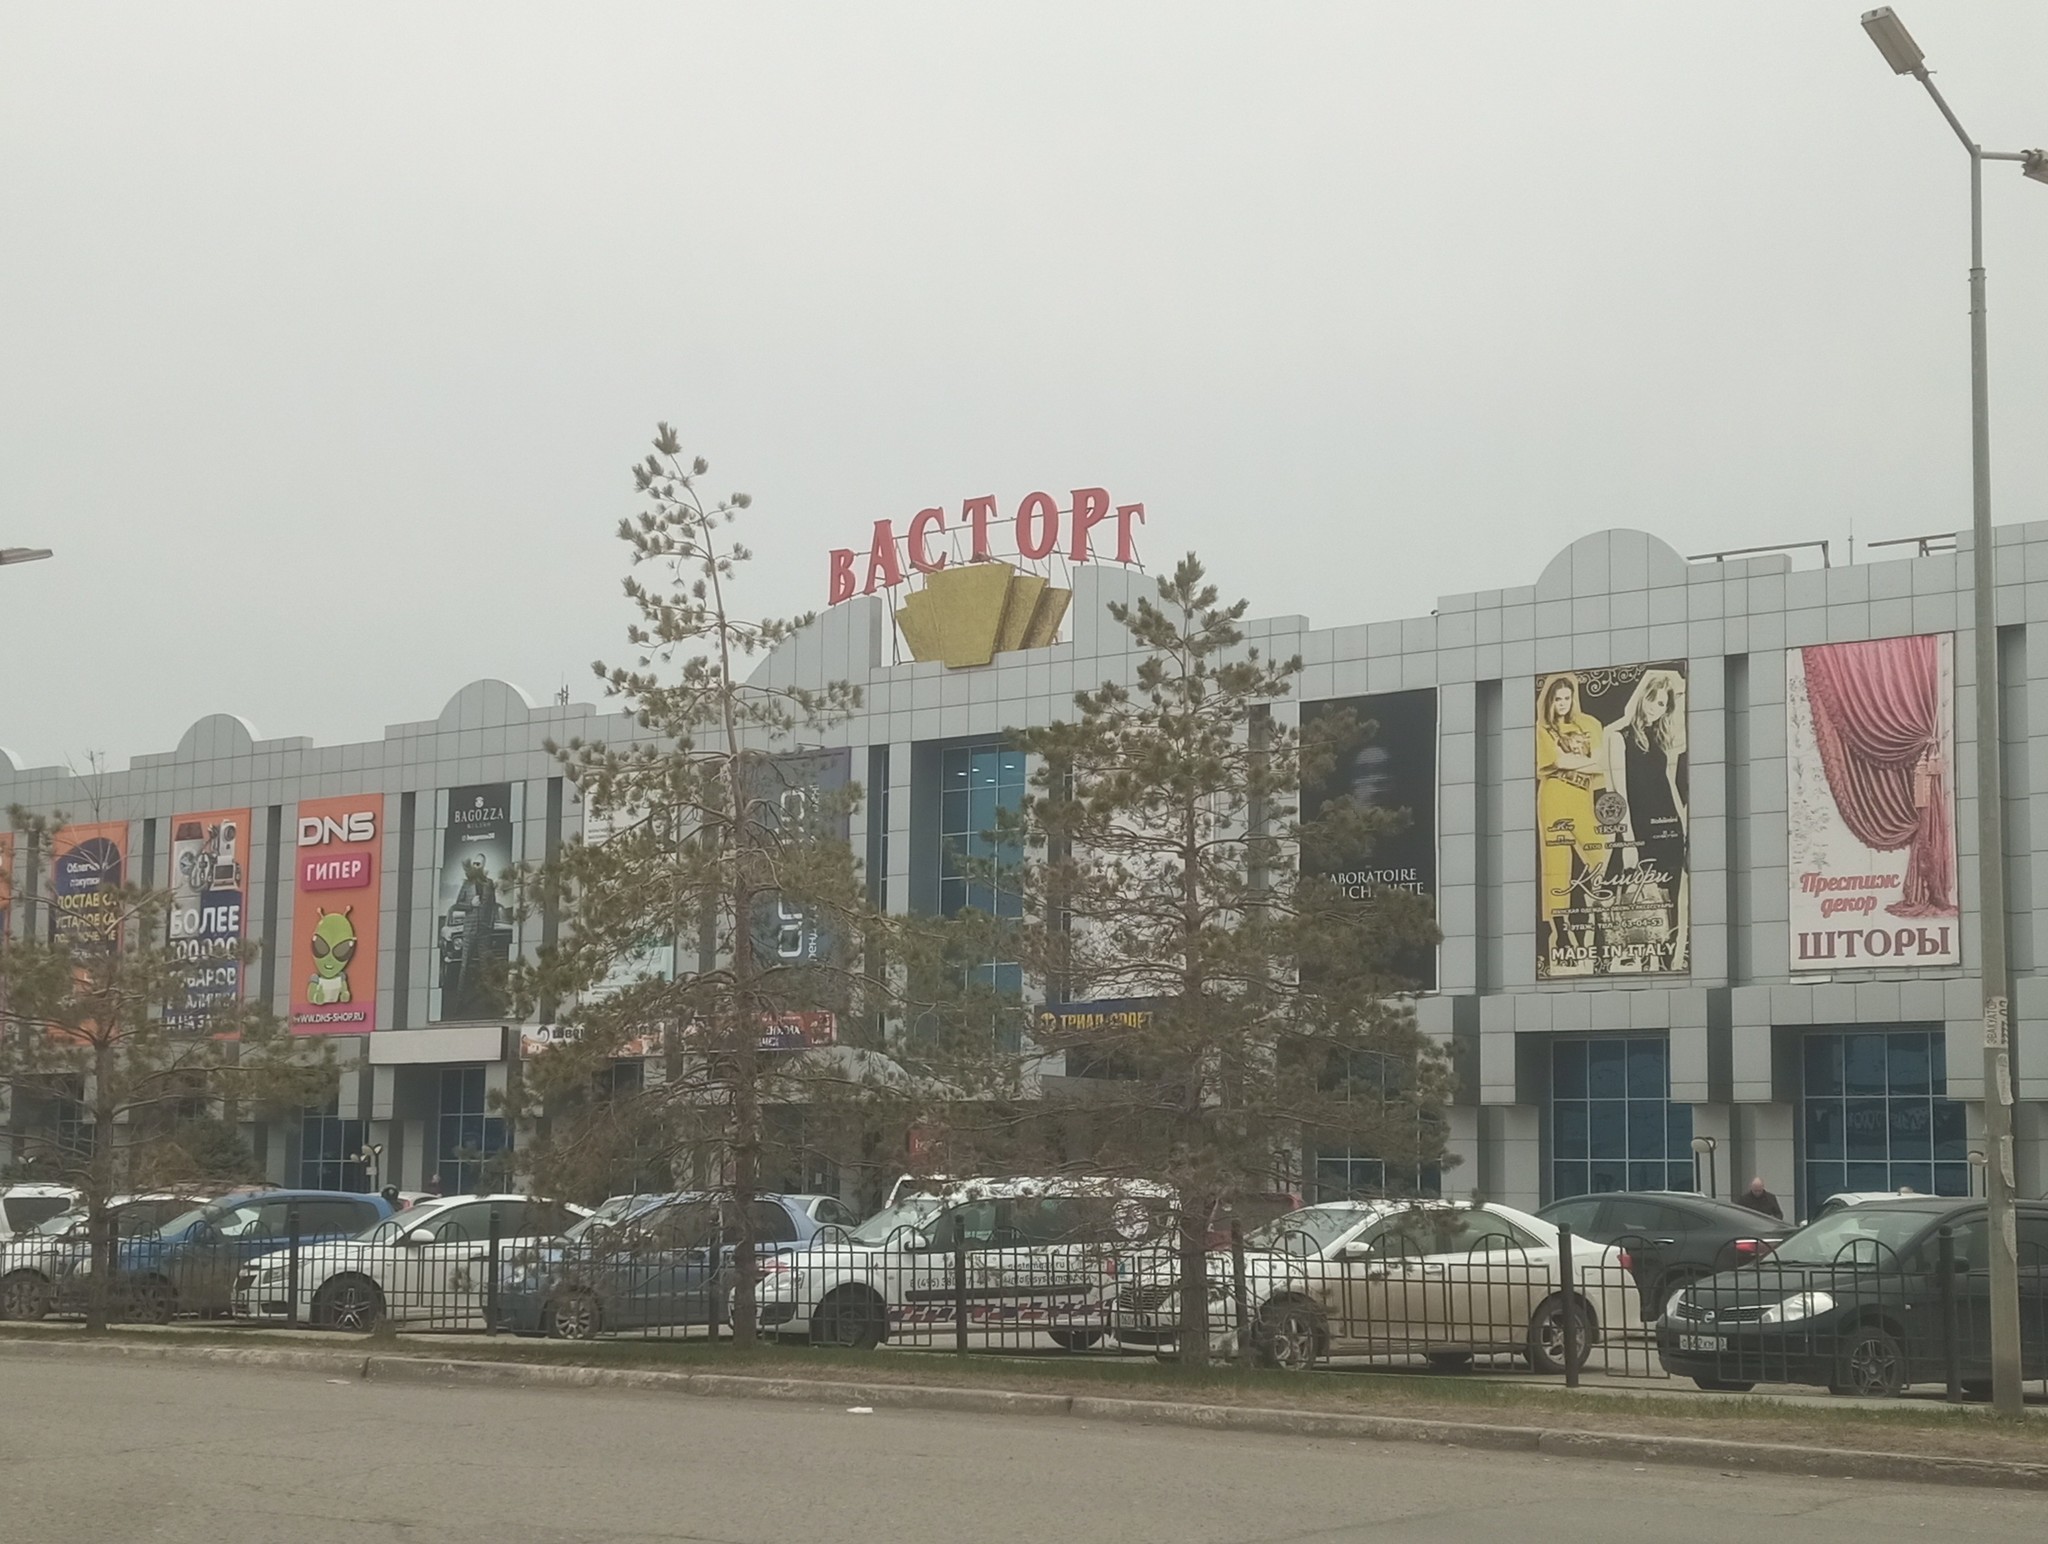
pixel 1043 1256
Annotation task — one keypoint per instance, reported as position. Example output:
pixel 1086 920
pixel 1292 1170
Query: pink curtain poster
pixel 1870 815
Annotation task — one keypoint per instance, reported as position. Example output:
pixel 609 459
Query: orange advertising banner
pixel 337 869
pixel 87 867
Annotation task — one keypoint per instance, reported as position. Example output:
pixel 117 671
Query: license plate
pixel 1701 1343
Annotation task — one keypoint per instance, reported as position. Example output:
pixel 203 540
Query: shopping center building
pixel 1701 837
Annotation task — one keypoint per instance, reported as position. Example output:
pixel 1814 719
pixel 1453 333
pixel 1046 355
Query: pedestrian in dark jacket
pixel 1758 1199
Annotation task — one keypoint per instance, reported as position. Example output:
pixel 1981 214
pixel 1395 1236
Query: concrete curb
pixel 1624 1447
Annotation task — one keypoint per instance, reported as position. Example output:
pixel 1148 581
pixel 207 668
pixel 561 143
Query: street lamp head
pixel 1894 41
pixel 2034 164
pixel 31 554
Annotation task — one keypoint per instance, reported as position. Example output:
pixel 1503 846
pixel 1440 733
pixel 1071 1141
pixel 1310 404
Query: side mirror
pixel 917 1241
pixel 1356 1252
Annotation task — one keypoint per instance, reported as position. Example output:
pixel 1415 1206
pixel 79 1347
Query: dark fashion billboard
pixel 1612 868
pixel 473 925
pixel 1387 762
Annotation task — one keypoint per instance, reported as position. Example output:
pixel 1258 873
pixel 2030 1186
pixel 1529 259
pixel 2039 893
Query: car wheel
pixel 1289 1335
pixel 851 1318
pixel 1872 1365
pixel 1724 1385
pixel 1450 1361
pixel 146 1302
pixel 575 1316
pixel 350 1303
pixel 1074 1340
pixel 24 1295
pixel 1546 1335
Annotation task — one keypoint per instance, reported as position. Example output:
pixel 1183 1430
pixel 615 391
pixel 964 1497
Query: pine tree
pixel 713 910
pixel 1161 867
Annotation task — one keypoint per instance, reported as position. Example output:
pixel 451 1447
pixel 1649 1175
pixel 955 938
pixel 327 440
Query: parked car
pixel 1853 1302
pixel 1842 1198
pixel 190 1264
pixel 826 1211
pixel 1044 1255
pixel 427 1266
pixel 24 1208
pixel 1391 1278
pixel 1670 1237
pixel 33 1263
pixel 666 1265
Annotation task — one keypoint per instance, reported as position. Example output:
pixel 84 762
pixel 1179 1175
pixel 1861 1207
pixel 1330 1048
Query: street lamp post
pixel 1904 56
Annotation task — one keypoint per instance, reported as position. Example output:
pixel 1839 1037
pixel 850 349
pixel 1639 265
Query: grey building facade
pixel 1819 1076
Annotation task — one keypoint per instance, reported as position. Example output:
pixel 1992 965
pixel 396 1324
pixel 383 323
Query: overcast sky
pixel 328 334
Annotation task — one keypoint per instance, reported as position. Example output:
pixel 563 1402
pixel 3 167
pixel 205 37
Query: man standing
pixel 1760 1200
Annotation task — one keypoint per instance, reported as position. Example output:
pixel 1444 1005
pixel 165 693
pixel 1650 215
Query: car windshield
pixel 1859 1235
pixel 61 1224
pixel 385 1229
pixel 184 1220
pixel 617 1208
pixel 1322 1224
pixel 910 1212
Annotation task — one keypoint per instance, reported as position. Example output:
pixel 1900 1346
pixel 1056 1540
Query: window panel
pixel 1863 1064
pixel 1568 1069
pixel 1606 1069
pixel 1646 1079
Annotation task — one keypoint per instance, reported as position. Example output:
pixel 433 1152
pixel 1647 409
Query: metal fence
pixel 1865 1321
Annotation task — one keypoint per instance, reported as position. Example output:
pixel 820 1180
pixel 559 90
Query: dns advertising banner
pixel 209 910
pixel 474 926
pixel 334 915
pixel 1393 768
pixel 1870 807
pixel 1612 872
pixel 87 866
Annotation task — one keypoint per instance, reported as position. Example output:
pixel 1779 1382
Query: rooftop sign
pixel 1040 529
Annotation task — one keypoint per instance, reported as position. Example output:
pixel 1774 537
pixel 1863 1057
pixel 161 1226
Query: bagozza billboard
pixel 1387 763
pixel 1613 868
pixel 1870 803
pixel 473 924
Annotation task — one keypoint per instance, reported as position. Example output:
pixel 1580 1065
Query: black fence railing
pixel 1865 1321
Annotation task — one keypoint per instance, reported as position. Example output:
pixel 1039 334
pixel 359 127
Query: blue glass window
pixel 1876 1116
pixel 1612 1123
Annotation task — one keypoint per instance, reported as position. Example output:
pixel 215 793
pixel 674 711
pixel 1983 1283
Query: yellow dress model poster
pixel 1612 874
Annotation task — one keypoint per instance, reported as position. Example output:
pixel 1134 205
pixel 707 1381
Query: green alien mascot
pixel 334 945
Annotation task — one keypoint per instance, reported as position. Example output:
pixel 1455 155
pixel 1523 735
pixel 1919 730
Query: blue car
pixel 189 1265
pixel 666 1265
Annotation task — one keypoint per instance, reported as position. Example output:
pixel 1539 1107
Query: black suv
pixel 1671 1237
pixel 1856 1302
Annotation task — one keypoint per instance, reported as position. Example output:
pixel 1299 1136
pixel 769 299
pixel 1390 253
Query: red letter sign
pixel 920 527
pixel 1040 542
pixel 883 568
pixel 978 513
pixel 842 575
pixel 1091 506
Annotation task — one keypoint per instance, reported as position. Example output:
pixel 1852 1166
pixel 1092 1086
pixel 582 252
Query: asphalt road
pixel 106 1452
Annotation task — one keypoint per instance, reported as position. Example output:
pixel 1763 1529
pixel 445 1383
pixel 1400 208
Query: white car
pixel 35 1264
pixel 1042 1258
pixel 24 1208
pixel 428 1266
pixel 1392 1278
